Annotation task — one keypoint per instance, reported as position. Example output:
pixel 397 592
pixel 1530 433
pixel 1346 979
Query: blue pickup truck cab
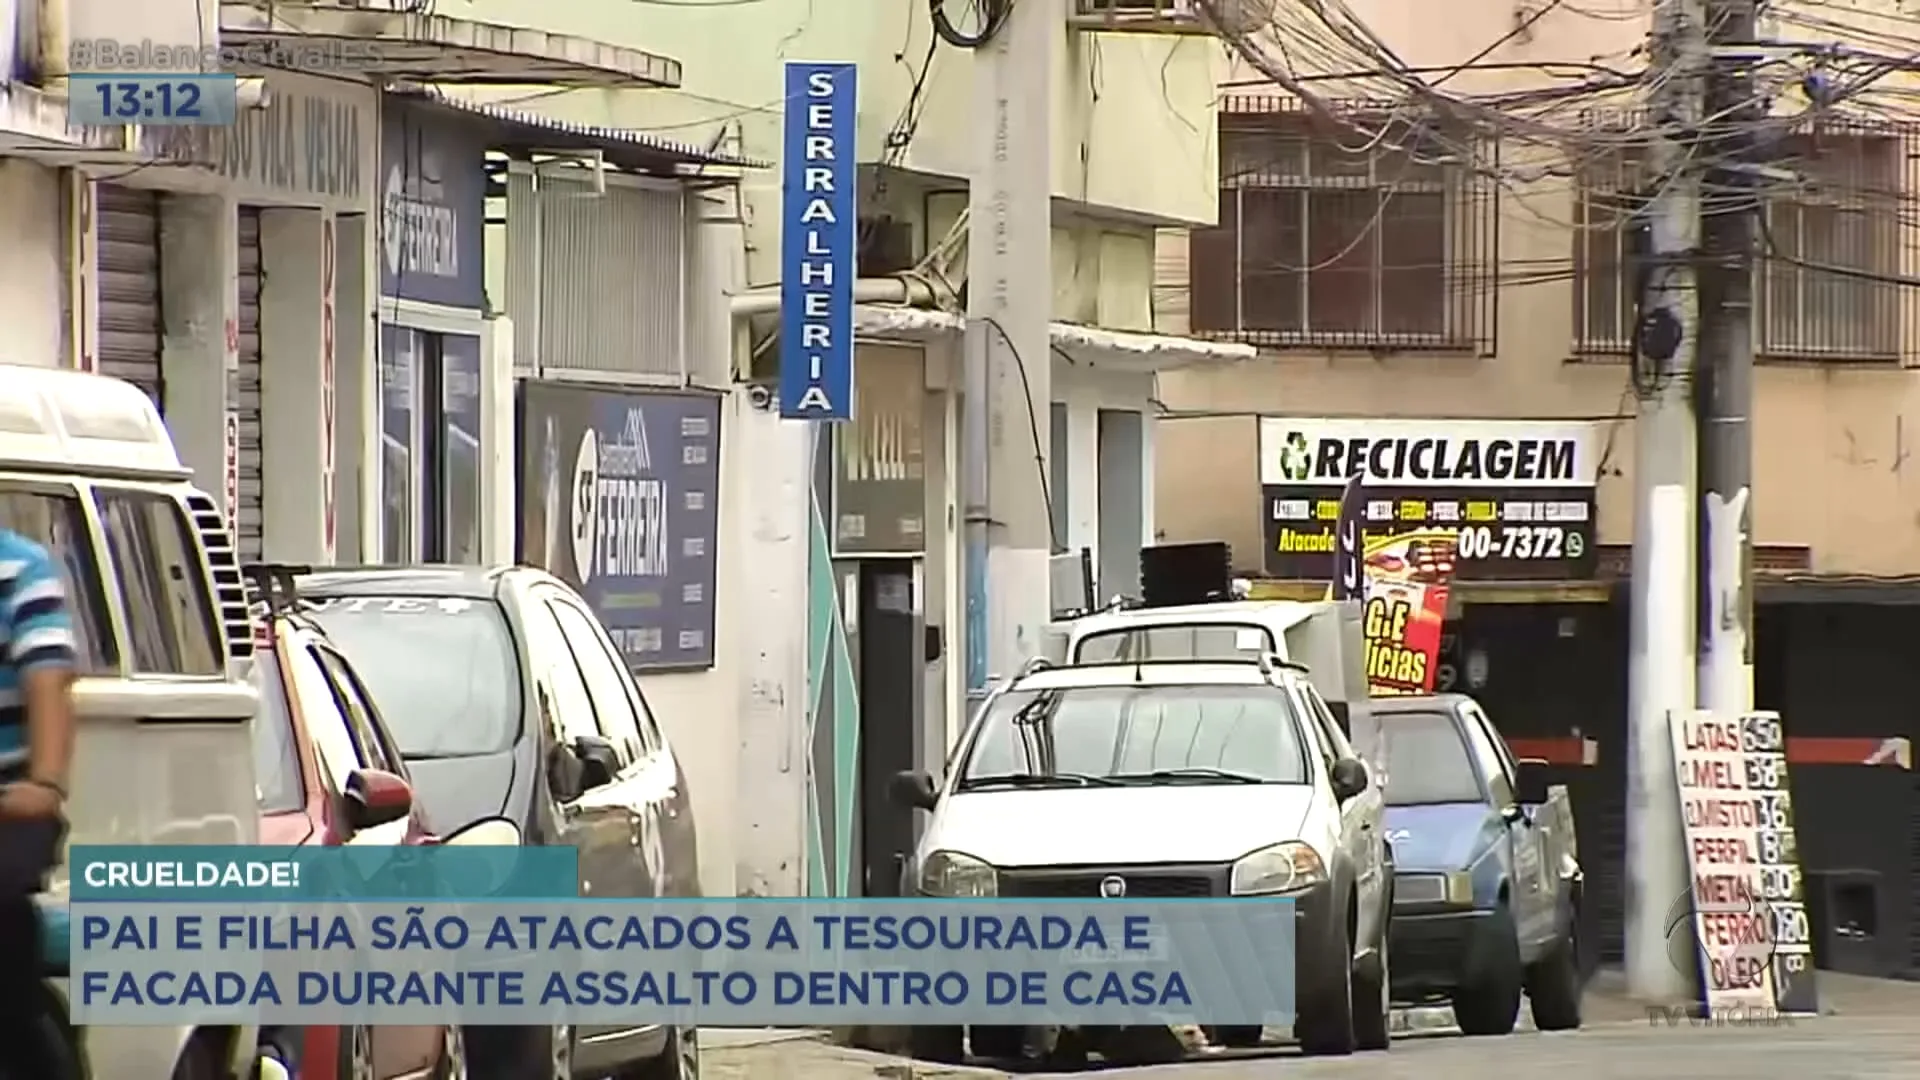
pixel 1487 886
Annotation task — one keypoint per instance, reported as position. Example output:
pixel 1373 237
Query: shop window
pixel 430 446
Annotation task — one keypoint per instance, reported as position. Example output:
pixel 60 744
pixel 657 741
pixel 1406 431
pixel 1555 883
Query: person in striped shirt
pixel 37 663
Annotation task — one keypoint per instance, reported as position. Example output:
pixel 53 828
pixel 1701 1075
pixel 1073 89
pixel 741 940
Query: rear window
pixel 1420 757
pixel 1225 642
pixel 443 671
pixel 1133 731
pixel 276 761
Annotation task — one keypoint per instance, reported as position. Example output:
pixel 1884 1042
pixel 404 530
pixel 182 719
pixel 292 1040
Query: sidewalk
pixel 775 1054
pixel 789 1054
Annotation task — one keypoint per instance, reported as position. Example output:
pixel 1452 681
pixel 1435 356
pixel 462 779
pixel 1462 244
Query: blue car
pixel 1487 886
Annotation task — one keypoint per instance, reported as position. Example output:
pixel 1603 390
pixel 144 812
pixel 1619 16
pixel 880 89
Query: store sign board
pixel 1518 494
pixel 1750 929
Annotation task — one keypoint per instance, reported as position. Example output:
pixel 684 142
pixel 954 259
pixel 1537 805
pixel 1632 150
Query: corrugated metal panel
pixel 595 282
pixel 250 510
pixel 130 286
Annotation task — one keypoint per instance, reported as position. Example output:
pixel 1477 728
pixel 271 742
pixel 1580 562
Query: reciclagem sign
pixel 818 215
pixel 1517 495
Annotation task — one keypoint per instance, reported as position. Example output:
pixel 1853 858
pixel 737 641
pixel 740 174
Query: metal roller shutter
pixel 250 512
pixel 130 286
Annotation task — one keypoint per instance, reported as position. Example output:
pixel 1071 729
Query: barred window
pixel 1326 242
pixel 1608 240
pixel 1827 256
pixel 1829 246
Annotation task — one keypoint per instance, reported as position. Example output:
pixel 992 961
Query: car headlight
pixel 949 873
pixel 1277 869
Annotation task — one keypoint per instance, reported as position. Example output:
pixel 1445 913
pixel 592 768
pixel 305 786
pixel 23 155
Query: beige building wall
pixel 1835 441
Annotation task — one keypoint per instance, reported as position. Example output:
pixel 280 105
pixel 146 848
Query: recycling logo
pixel 1296 461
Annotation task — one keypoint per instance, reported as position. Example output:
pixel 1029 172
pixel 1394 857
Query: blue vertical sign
pixel 817 218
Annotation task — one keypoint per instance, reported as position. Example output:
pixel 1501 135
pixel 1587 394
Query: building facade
pixel 852 530
pixel 1437 284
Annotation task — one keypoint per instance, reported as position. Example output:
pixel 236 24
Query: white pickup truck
pixel 1257 792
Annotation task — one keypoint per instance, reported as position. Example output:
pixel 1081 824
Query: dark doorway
pixel 889 662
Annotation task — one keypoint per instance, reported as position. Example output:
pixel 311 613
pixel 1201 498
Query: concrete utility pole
pixel 1005 432
pixel 1725 394
pixel 1661 677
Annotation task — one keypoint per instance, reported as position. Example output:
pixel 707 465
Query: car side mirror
pixel 1349 778
pixel 914 790
pixel 599 762
pixel 1532 780
pixel 375 797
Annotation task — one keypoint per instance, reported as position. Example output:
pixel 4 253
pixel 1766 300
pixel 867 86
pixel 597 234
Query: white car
pixel 1181 779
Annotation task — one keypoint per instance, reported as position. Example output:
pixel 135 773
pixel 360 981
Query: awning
pixel 1143 352
pixel 1112 350
pixel 436 48
pixel 518 132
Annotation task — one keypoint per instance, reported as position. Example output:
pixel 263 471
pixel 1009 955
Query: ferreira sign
pixel 620 497
pixel 817 191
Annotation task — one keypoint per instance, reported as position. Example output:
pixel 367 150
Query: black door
pixel 891 681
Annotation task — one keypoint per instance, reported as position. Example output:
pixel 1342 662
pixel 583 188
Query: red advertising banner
pixel 1407 578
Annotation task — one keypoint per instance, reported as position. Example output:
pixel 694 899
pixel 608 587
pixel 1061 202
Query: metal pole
pixel 1661 675
pixel 1006 431
pixel 1725 396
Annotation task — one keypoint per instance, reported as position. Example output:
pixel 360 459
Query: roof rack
pixel 273 583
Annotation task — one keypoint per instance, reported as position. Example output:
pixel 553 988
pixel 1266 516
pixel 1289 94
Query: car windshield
pixel 442 670
pixel 276 761
pixel 1138 735
pixel 1420 757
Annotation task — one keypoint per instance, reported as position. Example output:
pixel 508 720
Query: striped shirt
pixel 35 632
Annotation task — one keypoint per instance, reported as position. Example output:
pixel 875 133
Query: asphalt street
pixel 1872 1036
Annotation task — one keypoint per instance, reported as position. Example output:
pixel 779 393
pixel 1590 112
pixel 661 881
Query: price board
pixel 1749 905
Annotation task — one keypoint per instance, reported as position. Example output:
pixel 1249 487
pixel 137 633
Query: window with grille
pixel 1830 248
pixel 1378 233
pixel 1827 260
pixel 1609 236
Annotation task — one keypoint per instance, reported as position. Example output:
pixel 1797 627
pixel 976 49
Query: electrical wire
pixel 1033 426
pixel 994 15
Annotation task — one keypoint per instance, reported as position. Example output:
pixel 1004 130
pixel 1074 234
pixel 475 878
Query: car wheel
pixel 200 1059
pixel 1002 1042
pixel 1373 993
pixel 1553 985
pixel 453 1054
pixel 679 1059
pixel 940 1045
pixel 1491 1005
pixel 356 1053
pixel 1324 1027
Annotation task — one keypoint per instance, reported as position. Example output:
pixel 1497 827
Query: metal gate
pixel 130 286
pixel 250 528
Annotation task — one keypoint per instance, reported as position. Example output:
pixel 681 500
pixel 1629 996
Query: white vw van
pixel 164 754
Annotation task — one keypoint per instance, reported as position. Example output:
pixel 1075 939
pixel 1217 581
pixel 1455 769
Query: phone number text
pixel 1520 542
